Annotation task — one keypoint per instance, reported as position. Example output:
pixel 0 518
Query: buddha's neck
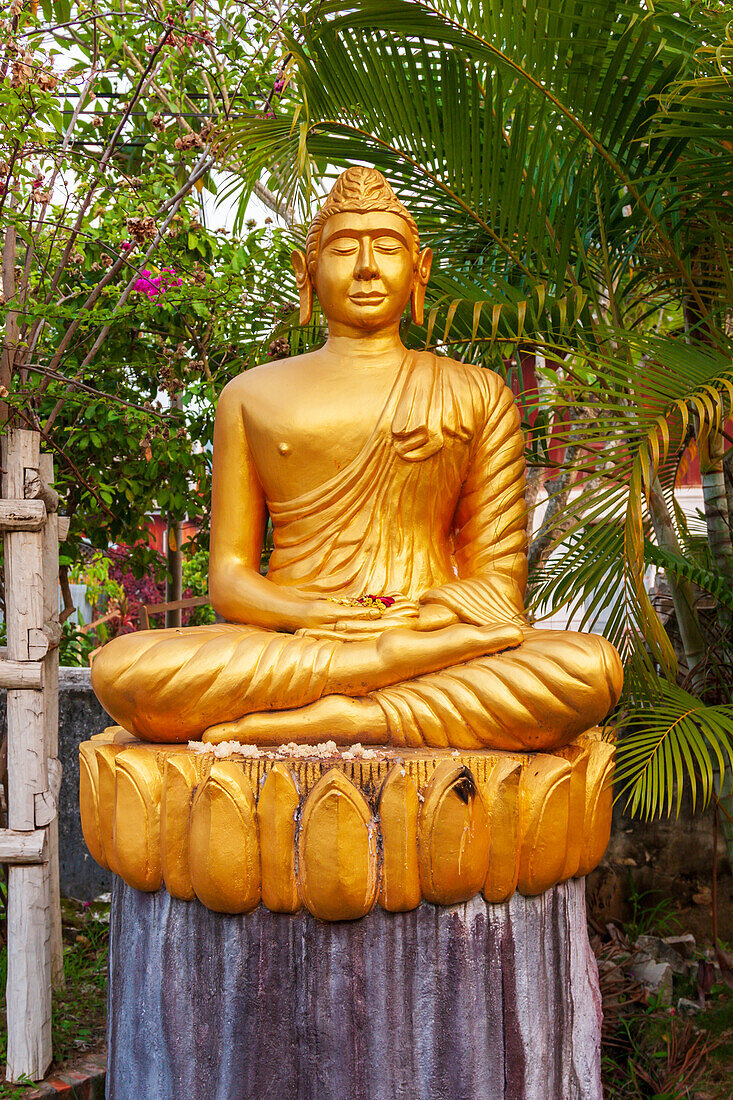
pixel 364 347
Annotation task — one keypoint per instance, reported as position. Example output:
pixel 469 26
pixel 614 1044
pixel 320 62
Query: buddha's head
pixel 362 256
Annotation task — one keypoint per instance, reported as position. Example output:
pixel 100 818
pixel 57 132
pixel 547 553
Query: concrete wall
pixel 667 862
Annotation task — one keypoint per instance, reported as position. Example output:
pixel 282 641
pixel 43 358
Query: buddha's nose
pixel 366 266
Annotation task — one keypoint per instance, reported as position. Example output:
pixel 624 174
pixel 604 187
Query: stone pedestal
pixel 475 1001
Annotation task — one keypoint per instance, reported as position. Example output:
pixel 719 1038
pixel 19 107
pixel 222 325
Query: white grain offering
pixel 326 750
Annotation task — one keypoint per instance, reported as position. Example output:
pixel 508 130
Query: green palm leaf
pixel 683 567
pixel 509 144
pixel 670 741
pixel 640 402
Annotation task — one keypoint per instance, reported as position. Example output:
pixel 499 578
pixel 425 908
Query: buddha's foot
pixel 411 652
pixel 335 716
pixel 346 713
pixel 397 655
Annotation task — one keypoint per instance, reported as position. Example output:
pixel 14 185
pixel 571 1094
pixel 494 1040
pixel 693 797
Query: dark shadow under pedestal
pixel 472 1002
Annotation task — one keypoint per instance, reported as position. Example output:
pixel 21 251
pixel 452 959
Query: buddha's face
pixel 365 269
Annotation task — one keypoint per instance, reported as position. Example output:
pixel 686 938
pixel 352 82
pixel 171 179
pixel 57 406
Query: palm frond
pixel 704 578
pixel 623 416
pixel 670 741
pixel 510 146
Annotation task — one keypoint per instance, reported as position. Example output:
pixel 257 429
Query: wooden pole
pixel 51 708
pixel 174 585
pixel 29 886
pixel 22 515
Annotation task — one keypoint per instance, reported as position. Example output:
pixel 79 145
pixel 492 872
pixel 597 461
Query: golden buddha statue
pixel 392 611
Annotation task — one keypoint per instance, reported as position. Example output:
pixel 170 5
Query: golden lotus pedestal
pixel 468 975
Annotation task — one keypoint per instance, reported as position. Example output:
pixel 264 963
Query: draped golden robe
pixel 433 508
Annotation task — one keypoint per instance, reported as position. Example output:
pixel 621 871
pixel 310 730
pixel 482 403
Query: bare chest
pixel 299 440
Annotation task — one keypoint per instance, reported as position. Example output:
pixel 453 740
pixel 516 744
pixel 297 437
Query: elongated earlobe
pixel 417 303
pixel 305 286
pixel 422 274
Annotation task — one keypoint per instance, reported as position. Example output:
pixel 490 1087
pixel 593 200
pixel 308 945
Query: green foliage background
pixel 122 446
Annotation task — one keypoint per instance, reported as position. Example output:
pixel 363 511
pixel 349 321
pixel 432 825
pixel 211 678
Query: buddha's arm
pixel 238 518
pixel 490 520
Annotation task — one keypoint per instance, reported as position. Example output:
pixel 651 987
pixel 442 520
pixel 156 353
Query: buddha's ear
pixel 422 274
pixel 305 286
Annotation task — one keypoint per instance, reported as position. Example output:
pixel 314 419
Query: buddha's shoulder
pixel 266 380
pixel 487 383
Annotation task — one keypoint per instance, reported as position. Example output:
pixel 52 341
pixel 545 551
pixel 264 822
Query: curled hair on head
pixel 358 190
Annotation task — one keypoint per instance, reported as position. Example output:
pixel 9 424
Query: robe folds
pixel 431 508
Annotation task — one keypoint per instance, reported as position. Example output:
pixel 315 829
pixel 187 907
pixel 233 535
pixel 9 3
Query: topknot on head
pixel 361 188
pixel 358 190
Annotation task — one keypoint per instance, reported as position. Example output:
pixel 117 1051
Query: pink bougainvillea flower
pixel 155 285
pixel 138 590
pixel 145 285
pixel 176 280
pixel 125 246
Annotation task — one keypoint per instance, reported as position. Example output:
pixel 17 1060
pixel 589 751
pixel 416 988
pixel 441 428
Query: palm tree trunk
pixel 728 475
pixel 718 495
pixel 717 517
pixel 693 639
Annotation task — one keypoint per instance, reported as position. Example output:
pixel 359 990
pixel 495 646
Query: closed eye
pixel 388 245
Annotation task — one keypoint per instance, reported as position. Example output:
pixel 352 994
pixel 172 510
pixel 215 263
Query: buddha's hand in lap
pixel 343 622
